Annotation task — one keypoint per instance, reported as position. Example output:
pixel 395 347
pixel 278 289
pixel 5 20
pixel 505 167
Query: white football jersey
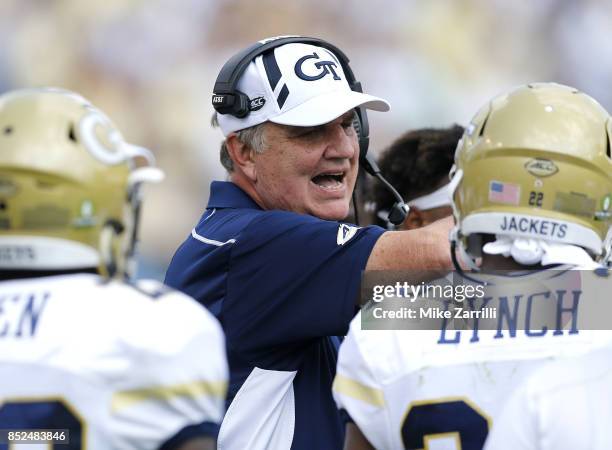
pixel 443 389
pixel 567 405
pixel 121 366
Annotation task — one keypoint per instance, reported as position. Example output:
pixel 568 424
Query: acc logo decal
pixel 345 233
pixel 541 167
pixel 327 67
pixel 256 103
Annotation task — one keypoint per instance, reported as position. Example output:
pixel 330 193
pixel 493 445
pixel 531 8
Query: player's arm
pixel 355 440
pixel 423 248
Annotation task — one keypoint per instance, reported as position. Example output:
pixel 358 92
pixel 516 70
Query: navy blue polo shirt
pixel 283 285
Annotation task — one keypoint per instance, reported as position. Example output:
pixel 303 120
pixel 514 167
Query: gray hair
pixel 253 137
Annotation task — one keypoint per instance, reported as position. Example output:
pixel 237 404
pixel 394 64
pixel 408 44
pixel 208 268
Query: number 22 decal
pixel 536 198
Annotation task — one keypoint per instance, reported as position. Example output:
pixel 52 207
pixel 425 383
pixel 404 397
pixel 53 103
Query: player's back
pixel 121 366
pixel 443 388
pixel 565 405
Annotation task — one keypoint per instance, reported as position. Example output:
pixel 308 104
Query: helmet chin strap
pixel 109 233
pixel 134 204
pixel 120 262
pixel 457 248
pixel 138 176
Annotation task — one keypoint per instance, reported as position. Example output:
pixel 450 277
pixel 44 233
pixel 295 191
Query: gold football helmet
pixel 535 163
pixel 69 185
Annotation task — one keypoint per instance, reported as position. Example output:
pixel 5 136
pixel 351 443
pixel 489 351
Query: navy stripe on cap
pixel 272 70
pixel 282 96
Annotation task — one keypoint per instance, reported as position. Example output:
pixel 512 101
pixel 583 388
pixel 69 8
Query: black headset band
pixel 233 69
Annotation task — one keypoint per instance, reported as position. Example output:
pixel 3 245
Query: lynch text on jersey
pixel 535 315
pixel 20 313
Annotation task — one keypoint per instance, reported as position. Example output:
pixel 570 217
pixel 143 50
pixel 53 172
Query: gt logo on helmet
pixel 87 130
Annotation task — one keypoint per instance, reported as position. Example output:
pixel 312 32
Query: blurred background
pixel 151 64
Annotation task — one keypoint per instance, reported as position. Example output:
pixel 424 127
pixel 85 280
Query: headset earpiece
pixel 236 104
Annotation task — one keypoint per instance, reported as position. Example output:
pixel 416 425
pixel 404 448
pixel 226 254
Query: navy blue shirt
pixel 283 285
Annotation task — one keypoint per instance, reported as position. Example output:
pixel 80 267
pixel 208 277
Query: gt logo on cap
pixel 327 68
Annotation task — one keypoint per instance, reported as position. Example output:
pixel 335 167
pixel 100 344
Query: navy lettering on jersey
pixel 535 314
pixel 563 311
pixel 504 312
pixel 471 302
pixel 528 330
pixel 20 313
pixel 535 226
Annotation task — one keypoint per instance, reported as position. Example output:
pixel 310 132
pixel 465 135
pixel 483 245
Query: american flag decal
pixel 504 193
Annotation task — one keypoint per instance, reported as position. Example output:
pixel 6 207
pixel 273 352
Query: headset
pixel 227 99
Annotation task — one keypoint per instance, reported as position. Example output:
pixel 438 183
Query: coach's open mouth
pixel 330 181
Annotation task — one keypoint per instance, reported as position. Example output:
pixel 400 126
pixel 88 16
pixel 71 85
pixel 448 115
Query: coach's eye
pixel 348 127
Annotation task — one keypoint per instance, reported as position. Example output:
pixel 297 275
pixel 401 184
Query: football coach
pixel 269 257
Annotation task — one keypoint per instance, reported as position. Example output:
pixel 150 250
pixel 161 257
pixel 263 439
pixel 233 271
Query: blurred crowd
pixel 151 66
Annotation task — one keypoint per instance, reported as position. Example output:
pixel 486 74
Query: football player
pixel 531 190
pixel 427 154
pixel 98 360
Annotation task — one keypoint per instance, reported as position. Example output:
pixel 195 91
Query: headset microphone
pixel 399 210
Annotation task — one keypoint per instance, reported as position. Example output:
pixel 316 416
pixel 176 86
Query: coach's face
pixel 309 170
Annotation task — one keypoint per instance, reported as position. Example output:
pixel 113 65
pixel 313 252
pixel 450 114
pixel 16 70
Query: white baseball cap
pixel 296 84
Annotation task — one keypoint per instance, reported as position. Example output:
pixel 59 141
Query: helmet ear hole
pixel 7 130
pixel 474 245
pixel 71 133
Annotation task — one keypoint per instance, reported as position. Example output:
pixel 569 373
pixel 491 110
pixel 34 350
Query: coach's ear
pixel 414 220
pixel 242 156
